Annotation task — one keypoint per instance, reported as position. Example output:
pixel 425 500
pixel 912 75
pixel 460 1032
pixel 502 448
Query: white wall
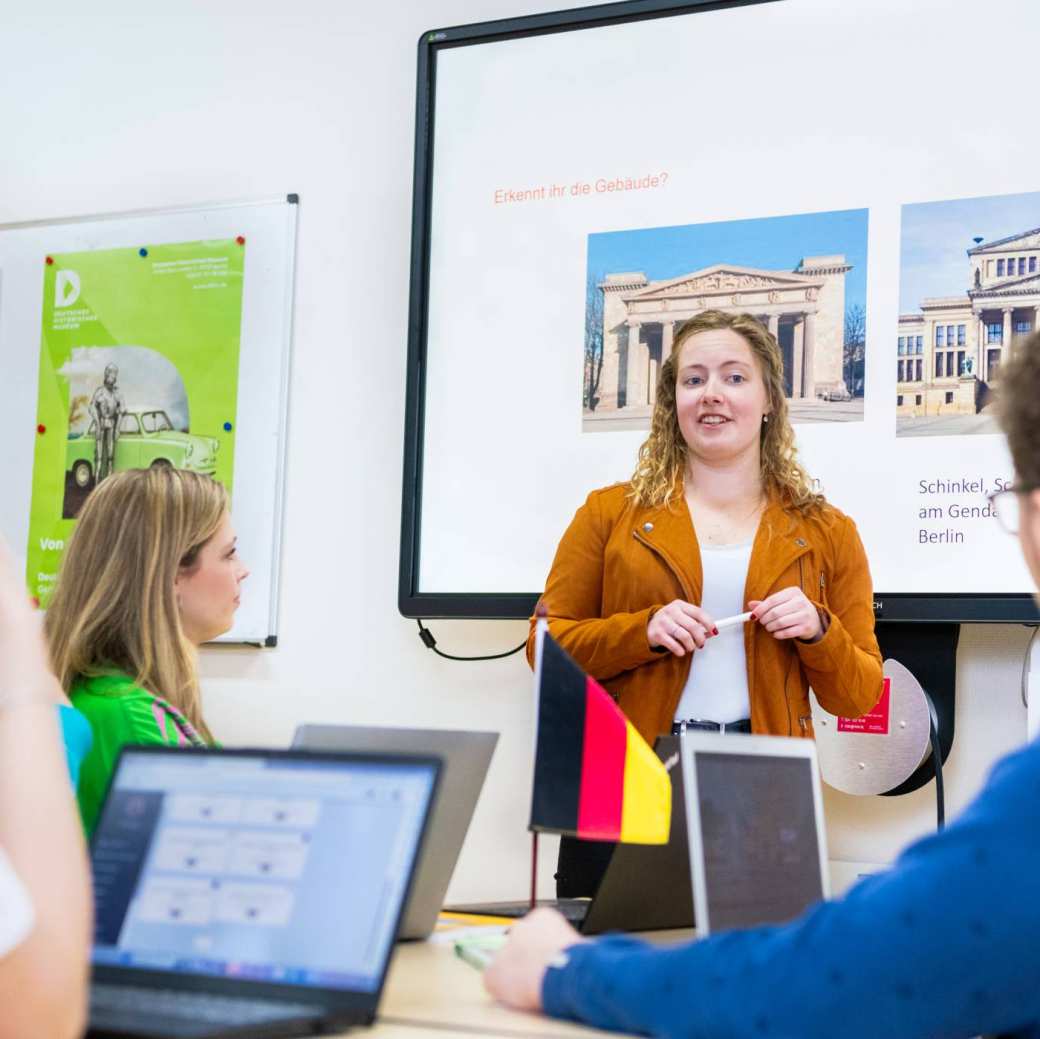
pixel 118 109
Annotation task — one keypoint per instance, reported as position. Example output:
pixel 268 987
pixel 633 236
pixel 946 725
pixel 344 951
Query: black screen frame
pixel 914 607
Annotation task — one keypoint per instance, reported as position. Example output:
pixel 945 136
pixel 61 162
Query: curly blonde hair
pixel 662 458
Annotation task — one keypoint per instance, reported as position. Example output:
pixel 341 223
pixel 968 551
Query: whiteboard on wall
pixel 254 432
pixel 806 161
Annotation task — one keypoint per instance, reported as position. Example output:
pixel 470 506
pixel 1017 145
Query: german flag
pixel 594 775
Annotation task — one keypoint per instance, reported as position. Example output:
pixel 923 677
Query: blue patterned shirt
pixel 944 944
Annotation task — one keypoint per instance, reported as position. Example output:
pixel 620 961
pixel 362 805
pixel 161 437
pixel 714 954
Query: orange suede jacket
pixel 619 562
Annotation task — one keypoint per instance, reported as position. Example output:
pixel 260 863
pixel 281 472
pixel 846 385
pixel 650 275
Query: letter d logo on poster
pixel 66 288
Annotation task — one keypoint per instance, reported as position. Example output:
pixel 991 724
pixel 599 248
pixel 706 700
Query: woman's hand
pixel 515 975
pixel 680 627
pixel 788 614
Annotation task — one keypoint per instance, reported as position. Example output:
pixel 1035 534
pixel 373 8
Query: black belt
pixel 744 725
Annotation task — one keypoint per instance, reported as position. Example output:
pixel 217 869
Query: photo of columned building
pixel 949 355
pixel 803 308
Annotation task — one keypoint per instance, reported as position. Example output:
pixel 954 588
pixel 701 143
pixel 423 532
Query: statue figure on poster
pixel 107 408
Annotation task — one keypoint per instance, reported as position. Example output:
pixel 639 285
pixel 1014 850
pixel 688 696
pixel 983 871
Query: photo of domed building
pixel 951 348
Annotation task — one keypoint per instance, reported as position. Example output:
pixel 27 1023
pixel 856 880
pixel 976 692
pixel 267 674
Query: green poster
pixel 138 367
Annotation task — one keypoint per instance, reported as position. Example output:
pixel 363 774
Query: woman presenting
pixel 718 519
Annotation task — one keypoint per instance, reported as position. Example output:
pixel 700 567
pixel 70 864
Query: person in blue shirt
pixel 942 945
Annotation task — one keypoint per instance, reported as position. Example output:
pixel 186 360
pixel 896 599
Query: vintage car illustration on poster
pixel 146 437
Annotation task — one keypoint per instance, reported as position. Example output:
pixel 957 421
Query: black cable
pixel 940 797
pixel 933 732
pixel 1026 660
pixel 431 643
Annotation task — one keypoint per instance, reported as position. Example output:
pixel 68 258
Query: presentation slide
pixel 862 177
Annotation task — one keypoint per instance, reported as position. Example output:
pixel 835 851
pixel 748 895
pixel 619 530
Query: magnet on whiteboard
pixel 227 427
pixel 142 251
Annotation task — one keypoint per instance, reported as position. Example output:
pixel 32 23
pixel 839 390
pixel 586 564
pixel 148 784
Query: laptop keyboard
pixel 573 910
pixel 192 1006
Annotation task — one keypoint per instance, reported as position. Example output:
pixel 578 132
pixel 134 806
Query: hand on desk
pixel 515 975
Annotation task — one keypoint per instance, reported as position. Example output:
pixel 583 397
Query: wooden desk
pixel 431 993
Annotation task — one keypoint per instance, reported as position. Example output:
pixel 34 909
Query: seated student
pixel 45 902
pixel 150 573
pixel 941 945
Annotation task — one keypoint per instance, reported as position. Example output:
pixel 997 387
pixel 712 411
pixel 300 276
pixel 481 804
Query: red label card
pixel 874 721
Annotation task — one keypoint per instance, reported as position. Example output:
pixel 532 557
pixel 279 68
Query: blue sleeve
pixel 77 737
pixel 941 945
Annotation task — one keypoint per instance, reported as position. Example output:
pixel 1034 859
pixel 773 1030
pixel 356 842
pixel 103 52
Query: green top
pixel 119 713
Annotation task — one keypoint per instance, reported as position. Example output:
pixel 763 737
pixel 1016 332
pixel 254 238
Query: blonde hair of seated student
pixel 115 604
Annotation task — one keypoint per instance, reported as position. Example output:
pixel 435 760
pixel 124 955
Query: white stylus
pixel 728 622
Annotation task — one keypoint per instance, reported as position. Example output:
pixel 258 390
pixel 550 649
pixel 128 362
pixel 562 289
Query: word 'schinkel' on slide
pixel 969 507
pixel 581 188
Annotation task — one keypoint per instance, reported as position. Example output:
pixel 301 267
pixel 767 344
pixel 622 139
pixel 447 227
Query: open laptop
pixel 465 757
pixel 645 887
pixel 754 813
pixel 251 892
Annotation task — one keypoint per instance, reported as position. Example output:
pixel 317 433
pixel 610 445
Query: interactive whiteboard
pixel 862 177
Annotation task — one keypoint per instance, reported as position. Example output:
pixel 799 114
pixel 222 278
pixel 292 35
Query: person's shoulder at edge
pixel 1012 769
pixel 108 688
pixel 613 496
pixel 114 703
pixel 603 504
pixel 615 500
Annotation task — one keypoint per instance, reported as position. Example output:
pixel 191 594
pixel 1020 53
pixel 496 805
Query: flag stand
pixel 534 869
pixel 594 776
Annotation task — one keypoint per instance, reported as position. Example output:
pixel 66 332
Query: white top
pixel 716 689
pixel 16 910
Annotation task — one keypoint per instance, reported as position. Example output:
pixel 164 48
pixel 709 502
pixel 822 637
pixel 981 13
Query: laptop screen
pixel 259 867
pixel 759 837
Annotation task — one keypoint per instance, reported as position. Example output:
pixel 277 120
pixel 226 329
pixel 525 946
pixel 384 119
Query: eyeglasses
pixel 1007 506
